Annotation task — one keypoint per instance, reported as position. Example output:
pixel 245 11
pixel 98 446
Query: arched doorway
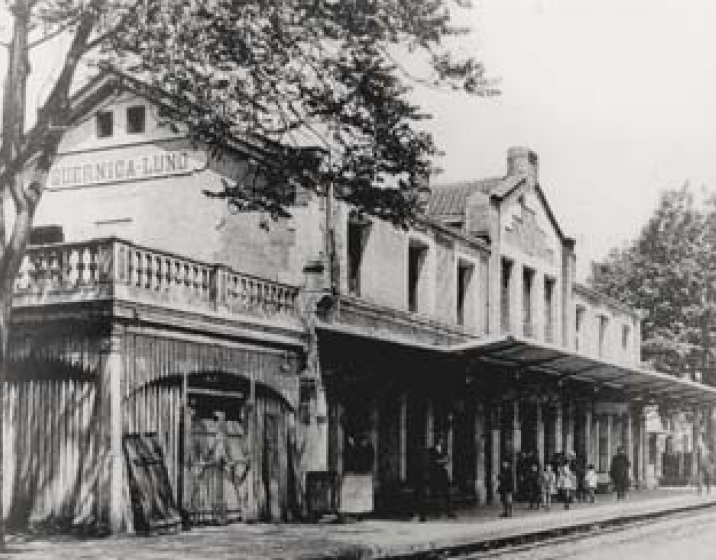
pixel 228 443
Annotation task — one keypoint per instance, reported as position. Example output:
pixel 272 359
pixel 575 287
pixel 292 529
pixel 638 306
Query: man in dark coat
pixel 505 487
pixel 439 478
pixel 619 473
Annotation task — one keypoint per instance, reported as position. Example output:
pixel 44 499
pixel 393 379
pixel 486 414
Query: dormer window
pixel 136 119
pixel 105 124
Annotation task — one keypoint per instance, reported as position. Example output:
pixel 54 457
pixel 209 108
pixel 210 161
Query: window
pixel 417 254
pixel 578 323
pixel 105 124
pixel 625 339
pixel 136 119
pixel 549 309
pixel 603 323
pixel 464 281
pixel 505 282
pixel 357 237
pixel 527 281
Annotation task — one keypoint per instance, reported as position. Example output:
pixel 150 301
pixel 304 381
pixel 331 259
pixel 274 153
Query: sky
pixel 617 97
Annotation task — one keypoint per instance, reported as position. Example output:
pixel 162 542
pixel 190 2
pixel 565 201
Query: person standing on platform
pixel 534 486
pixel 590 482
pixel 566 482
pixel 548 486
pixel 439 479
pixel 706 467
pixel 505 487
pixel 619 473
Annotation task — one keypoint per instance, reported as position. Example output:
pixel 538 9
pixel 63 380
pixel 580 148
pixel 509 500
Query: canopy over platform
pixel 634 382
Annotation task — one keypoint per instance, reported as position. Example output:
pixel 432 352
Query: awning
pixel 632 382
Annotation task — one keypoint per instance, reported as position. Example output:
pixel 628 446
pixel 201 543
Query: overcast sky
pixel 617 97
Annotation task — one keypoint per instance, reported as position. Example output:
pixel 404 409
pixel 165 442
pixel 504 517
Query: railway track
pixel 501 547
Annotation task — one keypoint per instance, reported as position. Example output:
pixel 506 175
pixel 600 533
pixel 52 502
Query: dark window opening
pixel 527 281
pixel 578 322
pixel 464 277
pixel 357 238
pixel 625 338
pixel 505 283
pixel 105 124
pixel 603 321
pixel 136 119
pixel 549 310
pixel 416 260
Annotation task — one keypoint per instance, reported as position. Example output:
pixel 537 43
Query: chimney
pixel 523 161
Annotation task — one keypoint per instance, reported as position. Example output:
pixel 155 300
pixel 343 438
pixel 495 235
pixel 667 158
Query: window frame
pixel 99 124
pixel 142 109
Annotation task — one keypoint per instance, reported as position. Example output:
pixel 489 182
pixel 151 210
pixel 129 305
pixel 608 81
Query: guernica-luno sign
pixel 73 172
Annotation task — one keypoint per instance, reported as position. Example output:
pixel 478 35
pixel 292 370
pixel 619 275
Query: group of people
pixel 565 478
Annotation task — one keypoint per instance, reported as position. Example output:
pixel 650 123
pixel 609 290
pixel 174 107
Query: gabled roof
pixel 449 200
pixel 110 81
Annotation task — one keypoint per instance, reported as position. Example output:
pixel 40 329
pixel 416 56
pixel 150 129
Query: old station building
pixel 256 351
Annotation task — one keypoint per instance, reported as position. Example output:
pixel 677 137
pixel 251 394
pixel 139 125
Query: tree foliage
pixel 669 273
pixel 292 75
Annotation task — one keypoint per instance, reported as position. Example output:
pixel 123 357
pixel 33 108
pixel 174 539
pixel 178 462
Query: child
pixel 590 481
pixel 505 488
pixel 548 486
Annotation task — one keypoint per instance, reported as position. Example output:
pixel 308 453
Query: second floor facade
pixel 488 258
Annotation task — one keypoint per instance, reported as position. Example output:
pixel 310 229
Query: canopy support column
pixel 540 434
pixel 480 437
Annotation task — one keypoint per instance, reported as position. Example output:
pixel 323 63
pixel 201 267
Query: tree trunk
pixel 5 310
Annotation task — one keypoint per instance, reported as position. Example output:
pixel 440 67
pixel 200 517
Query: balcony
pixel 113 269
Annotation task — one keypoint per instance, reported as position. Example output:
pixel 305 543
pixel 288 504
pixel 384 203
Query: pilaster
pixel 110 428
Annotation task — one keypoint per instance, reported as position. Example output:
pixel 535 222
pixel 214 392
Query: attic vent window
pixel 105 124
pixel 136 119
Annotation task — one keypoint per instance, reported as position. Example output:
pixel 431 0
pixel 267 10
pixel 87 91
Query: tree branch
pixel 44 140
pixel 51 35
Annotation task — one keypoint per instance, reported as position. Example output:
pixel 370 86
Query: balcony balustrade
pixel 113 268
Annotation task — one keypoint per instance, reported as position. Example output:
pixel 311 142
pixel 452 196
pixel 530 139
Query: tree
pixel 668 272
pixel 288 75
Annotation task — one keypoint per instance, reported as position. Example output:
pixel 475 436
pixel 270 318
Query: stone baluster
pixel 157 272
pixel 178 277
pixel 72 259
pixel 94 265
pixel 167 272
pixel 55 269
pixel 148 271
pixel 134 268
pixel 83 260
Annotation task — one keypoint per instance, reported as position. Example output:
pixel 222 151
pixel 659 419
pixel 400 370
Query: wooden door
pixel 217 467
